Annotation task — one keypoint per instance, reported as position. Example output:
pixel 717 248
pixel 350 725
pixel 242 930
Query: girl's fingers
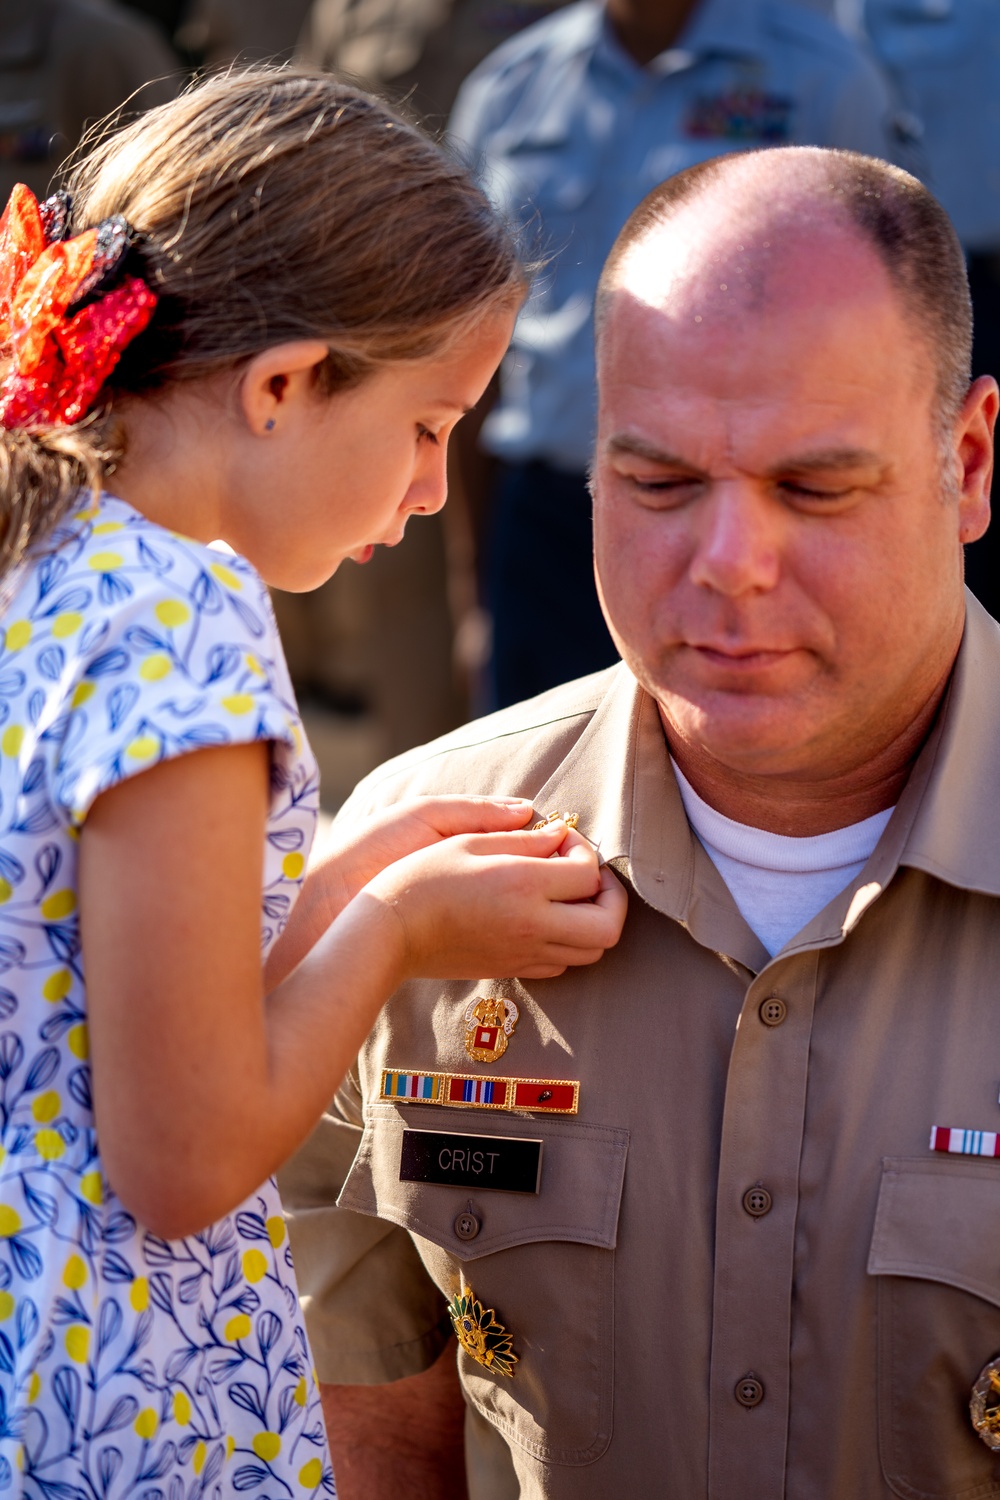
pixel 612 896
pixel 527 842
pixel 451 815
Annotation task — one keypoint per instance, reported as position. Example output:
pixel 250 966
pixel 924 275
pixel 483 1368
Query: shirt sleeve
pixel 183 655
pixel 373 1314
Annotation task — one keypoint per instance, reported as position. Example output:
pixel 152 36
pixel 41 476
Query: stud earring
pixel 269 425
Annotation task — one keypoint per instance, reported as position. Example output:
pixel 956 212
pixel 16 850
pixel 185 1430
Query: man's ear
pixel 277 379
pixel 974 456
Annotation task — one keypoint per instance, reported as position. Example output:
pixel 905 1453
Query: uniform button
pixel 757 1202
pixel 773 1011
pixel 467 1226
pixel 749 1391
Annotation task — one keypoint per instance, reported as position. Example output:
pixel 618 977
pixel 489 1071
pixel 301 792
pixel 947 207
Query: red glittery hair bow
pixel 65 312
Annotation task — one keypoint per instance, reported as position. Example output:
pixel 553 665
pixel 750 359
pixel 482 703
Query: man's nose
pixel 737 540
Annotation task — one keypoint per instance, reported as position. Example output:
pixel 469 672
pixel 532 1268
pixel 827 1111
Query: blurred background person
pixel 944 59
pixel 372 652
pixel 570 124
pixel 167 14
pixel 63 64
pixel 420 50
pixel 220 32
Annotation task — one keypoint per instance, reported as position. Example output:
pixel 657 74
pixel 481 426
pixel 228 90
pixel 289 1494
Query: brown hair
pixel 907 227
pixel 271 205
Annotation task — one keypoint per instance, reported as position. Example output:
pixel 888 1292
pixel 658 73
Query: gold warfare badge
pixel 984 1407
pixel 480 1335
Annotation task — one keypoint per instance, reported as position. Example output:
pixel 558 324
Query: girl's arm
pixel 357 851
pixel 203 1085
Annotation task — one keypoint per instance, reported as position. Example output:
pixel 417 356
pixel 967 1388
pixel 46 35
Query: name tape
pixel 507 1164
pixel 554 1096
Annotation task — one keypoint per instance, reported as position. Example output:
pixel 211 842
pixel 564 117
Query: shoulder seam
pixel 374 779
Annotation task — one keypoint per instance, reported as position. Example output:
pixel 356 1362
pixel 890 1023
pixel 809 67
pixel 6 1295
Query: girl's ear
pixel 276 379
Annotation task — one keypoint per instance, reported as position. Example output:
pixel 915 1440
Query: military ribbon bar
pixel 425 1086
pixel 965 1142
pixel 555 1096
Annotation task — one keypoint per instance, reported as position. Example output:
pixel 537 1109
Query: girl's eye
pixel 424 434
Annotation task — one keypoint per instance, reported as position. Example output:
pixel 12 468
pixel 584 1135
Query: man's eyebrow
pixel 828 459
pixel 627 442
pixel 823 459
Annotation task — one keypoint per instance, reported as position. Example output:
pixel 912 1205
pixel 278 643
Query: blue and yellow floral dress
pixel 130 1366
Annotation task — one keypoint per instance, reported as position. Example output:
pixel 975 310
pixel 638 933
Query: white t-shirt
pixel 780 883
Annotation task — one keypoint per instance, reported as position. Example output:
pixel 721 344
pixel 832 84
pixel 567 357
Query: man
pixel 570 125
pixel 65 64
pixel 743 1272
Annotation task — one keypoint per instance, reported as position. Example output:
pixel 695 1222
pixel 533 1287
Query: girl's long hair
pixel 271 204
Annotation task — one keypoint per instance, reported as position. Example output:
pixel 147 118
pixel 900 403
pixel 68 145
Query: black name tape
pixel 508 1164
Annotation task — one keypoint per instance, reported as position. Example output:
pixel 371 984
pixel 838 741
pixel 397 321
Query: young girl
pixel 258 320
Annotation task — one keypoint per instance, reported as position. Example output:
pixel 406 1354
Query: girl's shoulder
pixel 127 557
pixel 125 644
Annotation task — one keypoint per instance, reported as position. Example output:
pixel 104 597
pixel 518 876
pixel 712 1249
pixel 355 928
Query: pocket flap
pixel 940 1221
pixel 582 1175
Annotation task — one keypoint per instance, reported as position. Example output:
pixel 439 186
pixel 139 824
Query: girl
pixel 257 320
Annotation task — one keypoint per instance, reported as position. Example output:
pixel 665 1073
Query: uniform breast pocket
pixel 542 1262
pixel 936 1253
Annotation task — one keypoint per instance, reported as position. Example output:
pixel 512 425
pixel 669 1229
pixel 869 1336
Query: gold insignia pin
pixel 489 1026
pixel 984 1405
pixel 570 819
pixel 480 1335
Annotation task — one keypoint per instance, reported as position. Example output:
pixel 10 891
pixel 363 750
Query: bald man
pixel 720 1216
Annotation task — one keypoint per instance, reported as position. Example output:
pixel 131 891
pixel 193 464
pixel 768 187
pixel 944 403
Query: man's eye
pixel 662 487
pixel 810 492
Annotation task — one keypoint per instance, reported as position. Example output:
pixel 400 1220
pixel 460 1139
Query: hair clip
pixel 66 311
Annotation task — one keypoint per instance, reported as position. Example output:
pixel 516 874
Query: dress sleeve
pixel 185 654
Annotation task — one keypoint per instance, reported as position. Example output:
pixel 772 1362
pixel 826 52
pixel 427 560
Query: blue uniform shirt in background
pixel 569 134
pixel 944 58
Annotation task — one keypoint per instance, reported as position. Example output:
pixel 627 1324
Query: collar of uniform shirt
pixel 631 806
pixel 727 28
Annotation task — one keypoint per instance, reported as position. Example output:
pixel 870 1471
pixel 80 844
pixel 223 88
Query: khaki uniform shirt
pixel 63 65
pixel 854 1295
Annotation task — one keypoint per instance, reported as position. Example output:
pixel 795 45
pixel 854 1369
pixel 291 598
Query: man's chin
pixel 748 733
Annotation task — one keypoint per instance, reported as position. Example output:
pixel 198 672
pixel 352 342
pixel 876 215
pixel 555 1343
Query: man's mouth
pixel 740 658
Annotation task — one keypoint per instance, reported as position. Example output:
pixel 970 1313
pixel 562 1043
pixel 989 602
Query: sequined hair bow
pixel 66 310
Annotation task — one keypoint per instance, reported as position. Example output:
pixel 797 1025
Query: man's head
pixel 789 457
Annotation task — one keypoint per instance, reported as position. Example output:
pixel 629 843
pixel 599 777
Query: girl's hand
pixel 356 852
pixel 487 906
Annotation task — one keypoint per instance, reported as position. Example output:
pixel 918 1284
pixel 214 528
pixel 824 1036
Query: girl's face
pixel 356 465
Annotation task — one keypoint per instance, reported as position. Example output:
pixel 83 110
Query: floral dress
pixel 130 1366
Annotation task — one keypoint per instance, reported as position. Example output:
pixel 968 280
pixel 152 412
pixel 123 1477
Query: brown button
pixel 749 1391
pixel 757 1201
pixel 773 1011
pixel 467 1226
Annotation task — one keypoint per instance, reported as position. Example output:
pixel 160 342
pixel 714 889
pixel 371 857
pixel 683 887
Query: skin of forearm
pixel 278 1082
pixel 405 1438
